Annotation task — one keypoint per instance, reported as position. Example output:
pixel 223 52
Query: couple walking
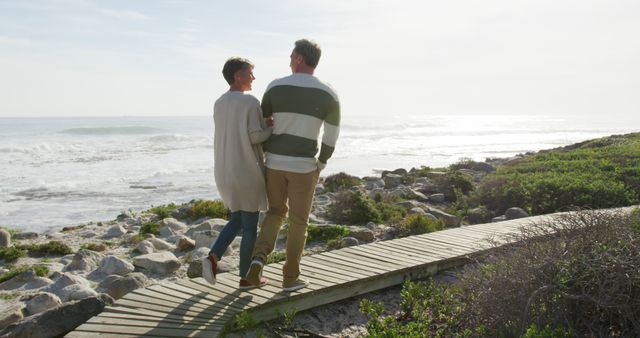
pixel 265 155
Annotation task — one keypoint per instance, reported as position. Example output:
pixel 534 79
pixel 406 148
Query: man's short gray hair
pixel 309 50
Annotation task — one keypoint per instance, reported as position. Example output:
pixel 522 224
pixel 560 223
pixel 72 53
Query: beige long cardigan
pixel 239 160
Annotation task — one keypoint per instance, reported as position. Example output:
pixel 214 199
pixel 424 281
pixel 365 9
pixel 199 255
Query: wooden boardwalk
pixel 193 308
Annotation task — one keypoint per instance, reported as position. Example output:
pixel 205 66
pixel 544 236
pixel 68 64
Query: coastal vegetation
pixel 40 270
pixel 52 248
pixel 594 174
pixel 582 281
pixel 204 208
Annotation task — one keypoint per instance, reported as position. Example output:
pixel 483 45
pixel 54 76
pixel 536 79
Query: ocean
pixel 57 172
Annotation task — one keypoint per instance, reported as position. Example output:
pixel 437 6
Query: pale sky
pixel 164 57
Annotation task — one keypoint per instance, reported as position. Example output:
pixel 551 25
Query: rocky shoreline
pixel 113 258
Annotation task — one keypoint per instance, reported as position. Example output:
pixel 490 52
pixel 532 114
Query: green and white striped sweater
pixel 300 105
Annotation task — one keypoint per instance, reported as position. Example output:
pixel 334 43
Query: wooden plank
pixel 347 274
pixel 354 266
pixel 441 244
pixel 311 273
pixel 381 254
pixel 113 330
pixel 427 251
pixel 162 324
pixel 363 261
pixel 444 250
pixel 140 298
pixel 85 334
pixel 411 250
pixel 220 291
pixel 165 299
pixel 165 317
pixel 161 308
pixel 205 299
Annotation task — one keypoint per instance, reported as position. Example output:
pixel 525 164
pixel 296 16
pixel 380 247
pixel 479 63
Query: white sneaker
pixel 209 269
pixel 293 286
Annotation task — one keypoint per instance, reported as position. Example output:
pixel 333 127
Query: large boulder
pixel 374 184
pixel 449 220
pixel 361 234
pixel 515 212
pixel 27 280
pixel 116 230
pixel 5 238
pixel 392 180
pixel 174 224
pixel 478 215
pixel 146 247
pixel 42 302
pixel 58 321
pixel 437 198
pixel 185 243
pixel 85 260
pixel 112 265
pixel 159 262
pixel 76 292
pixel 65 279
pixel 11 313
pixel 205 238
pixel 215 224
pixel 161 245
pixel 118 286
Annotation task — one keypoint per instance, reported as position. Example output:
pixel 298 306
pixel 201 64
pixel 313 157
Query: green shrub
pixel 53 248
pixel 340 181
pixel 595 174
pixel 324 233
pixel 11 231
pixel 417 224
pixel 453 181
pixel 150 228
pixel 353 207
pixel 12 253
pixel 422 172
pixel 163 211
pixel 40 270
pixel 212 209
pixel 98 247
pixel 276 256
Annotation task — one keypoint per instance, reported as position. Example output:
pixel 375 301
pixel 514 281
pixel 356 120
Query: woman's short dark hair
pixel 309 50
pixel 233 65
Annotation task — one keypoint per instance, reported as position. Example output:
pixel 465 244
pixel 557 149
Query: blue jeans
pixel 248 222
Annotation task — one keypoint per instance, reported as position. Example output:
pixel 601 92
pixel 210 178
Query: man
pixel 300 105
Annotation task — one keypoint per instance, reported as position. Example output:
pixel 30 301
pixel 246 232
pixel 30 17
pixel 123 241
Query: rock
pixel 213 224
pixel 376 191
pixel 195 269
pixel 112 265
pixel 58 321
pixel 88 234
pixel 392 180
pixel 399 171
pixel 319 189
pixel 161 245
pixel 449 220
pixel 27 280
pixel 146 247
pixel 436 198
pixel 499 219
pixel 378 183
pixel 361 234
pixel 417 210
pixel 402 191
pixel 85 260
pixel 185 243
pixel 174 224
pixel 429 188
pixel 421 181
pixel 76 292
pixel 160 262
pixel 118 286
pixel 42 302
pixel 5 238
pixel 515 212
pixel 26 235
pixel 65 279
pixel 199 253
pixel 205 238
pixel 124 216
pixel 478 215
pixel 371 226
pixel 11 314
pixel 323 200
pixel 66 260
pixel 349 241
pixel 166 231
pixel 115 231
pixel 430 216
pixel 419 196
